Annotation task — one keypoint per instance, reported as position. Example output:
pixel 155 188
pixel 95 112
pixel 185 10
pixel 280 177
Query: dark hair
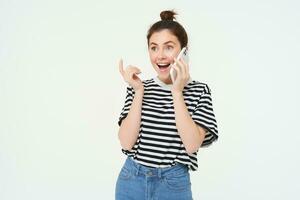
pixel 167 22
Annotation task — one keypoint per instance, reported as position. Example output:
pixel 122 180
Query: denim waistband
pixel 150 171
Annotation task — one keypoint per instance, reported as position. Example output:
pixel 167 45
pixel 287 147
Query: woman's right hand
pixel 130 76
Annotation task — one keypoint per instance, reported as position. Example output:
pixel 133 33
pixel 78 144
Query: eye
pixel 153 48
pixel 169 47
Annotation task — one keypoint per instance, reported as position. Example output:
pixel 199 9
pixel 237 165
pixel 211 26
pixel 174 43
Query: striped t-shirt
pixel 158 143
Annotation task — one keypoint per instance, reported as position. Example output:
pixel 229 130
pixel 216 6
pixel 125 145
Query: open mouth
pixel 163 67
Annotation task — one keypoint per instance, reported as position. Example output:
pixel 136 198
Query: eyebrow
pixel 164 43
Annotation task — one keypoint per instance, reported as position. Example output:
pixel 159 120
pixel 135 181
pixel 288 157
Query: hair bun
pixel 167 15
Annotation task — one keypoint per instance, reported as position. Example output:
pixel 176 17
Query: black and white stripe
pixel 158 143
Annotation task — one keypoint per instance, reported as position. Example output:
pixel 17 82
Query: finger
pixel 176 63
pixel 185 64
pixel 121 68
pixel 134 69
pixel 133 75
pixel 182 67
pixel 187 68
pixel 176 68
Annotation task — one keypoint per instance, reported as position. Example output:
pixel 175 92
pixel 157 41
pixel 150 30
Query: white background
pixel 61 94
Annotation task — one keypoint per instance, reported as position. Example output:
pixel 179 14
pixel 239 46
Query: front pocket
pixel 180 181
pixel 125 173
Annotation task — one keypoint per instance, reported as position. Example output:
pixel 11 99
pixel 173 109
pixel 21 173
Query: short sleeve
pixel 204 116
pixel 127 104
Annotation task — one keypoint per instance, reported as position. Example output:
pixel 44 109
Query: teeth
pixel 163 65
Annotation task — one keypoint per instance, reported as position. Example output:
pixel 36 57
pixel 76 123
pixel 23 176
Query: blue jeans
pixel 139 182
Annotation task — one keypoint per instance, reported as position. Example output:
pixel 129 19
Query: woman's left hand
pixel 182 77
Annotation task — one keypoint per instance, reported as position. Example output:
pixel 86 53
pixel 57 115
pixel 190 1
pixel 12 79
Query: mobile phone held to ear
pixel 184 55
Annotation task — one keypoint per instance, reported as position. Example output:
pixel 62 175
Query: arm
pixel 130 126
pixel 190 133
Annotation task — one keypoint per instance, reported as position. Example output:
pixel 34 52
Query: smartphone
pixel 184 55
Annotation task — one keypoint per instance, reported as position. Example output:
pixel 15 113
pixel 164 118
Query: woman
pixel 163 123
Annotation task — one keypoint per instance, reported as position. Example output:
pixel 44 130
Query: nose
pixel 161 55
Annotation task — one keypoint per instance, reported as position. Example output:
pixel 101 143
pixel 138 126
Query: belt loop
pixel 159 172
pixel 137 169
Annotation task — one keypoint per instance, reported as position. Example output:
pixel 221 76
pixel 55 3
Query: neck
pixel 165 80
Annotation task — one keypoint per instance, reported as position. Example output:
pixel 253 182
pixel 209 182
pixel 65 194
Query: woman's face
pixel 163 48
